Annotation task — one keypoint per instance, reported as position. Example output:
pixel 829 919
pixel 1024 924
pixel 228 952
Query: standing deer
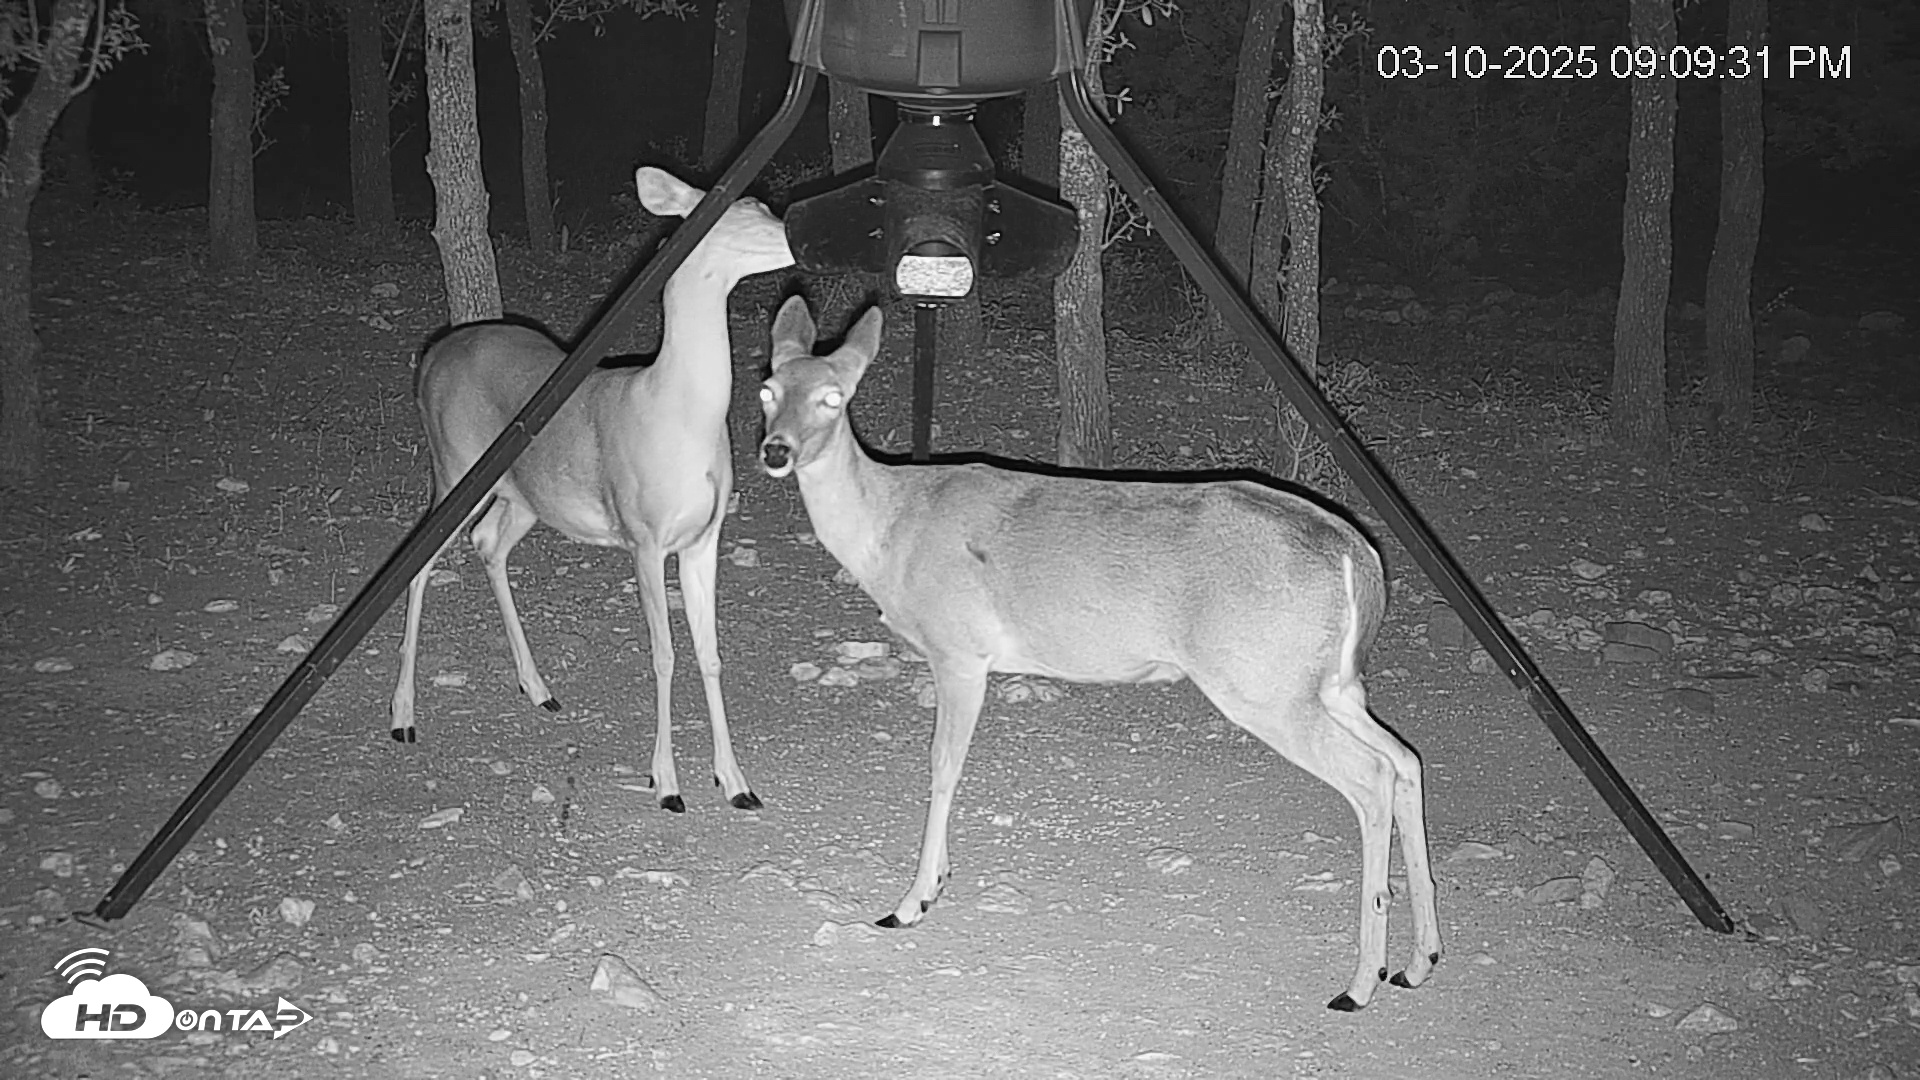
pixel 638 459
pixel 1266 601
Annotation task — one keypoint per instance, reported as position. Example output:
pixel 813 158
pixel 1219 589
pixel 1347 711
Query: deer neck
pixel 696 353
pixel 853 502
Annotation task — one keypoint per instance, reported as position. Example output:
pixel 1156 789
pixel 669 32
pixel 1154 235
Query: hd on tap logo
pixel 118 1006
pixel 103 1006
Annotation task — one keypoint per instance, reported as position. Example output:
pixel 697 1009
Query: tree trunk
pixel 1286 258
pixel 232 230
pixel 1241 171
pixel 453 162
pixel 74 134
pixel 1730 274
pixel 849 126
pixel 1267 267
pixel 723 92
pixel 21 171
pixel 1079 315
pixel 369 155
pixel 535 192
pixel 1639 407
pixel 1040 135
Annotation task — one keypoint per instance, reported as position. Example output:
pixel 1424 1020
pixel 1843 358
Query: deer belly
pixel 1111 669
pixel 1024 637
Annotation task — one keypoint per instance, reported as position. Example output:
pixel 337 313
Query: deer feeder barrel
pixel 932 219
pixel 935 51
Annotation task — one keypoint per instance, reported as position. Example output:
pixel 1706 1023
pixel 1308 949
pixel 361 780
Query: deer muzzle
pixel 776 456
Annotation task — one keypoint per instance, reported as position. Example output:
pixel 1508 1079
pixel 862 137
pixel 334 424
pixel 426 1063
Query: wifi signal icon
pixel 82 964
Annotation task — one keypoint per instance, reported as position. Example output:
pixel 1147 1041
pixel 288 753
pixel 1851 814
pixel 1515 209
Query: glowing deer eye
pixel 832 399
pixel 766 394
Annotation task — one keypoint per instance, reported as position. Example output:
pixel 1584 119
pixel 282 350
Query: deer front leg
pixel 698 568
pixel 650 579
pixel 959 688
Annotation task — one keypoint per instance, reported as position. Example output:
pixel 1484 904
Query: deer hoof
pixel 1344 1003
pixel 551 704
pixel 746 800
pixel 403 735
pixel 673 804
pixel 1400 979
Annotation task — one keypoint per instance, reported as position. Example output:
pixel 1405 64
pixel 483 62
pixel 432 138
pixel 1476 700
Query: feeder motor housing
pixel 940 51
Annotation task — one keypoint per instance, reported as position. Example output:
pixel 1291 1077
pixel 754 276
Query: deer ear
pixel 859 348
pixel 864 338
pixel 793 332
pixel 665 194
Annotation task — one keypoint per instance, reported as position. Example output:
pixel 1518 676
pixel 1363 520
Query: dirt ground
pixel 1139 889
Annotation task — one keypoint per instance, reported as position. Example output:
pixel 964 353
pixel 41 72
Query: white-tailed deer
pixel 638 459
pixel 1265 600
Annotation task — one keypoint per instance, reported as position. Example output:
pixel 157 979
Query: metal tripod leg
pixel 441 522
pixel 1399 513
pixel 926 347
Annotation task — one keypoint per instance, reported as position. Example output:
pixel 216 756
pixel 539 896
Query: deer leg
pixel 650 577
pixel 1349 708
pixel 1410 812
pixel 494 537
pixel 1307 734
pixel 698 568
pixel 402 728
pixel 959 687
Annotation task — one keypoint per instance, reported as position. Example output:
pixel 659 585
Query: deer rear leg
pixel 959 688
pixel 1347 704
pixel 1306 732
pixel 1409 812
pixel 504 524
pixel 1366 780
pixel 402 727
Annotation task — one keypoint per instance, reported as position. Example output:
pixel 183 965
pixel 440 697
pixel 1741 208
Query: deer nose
pixel 776 456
